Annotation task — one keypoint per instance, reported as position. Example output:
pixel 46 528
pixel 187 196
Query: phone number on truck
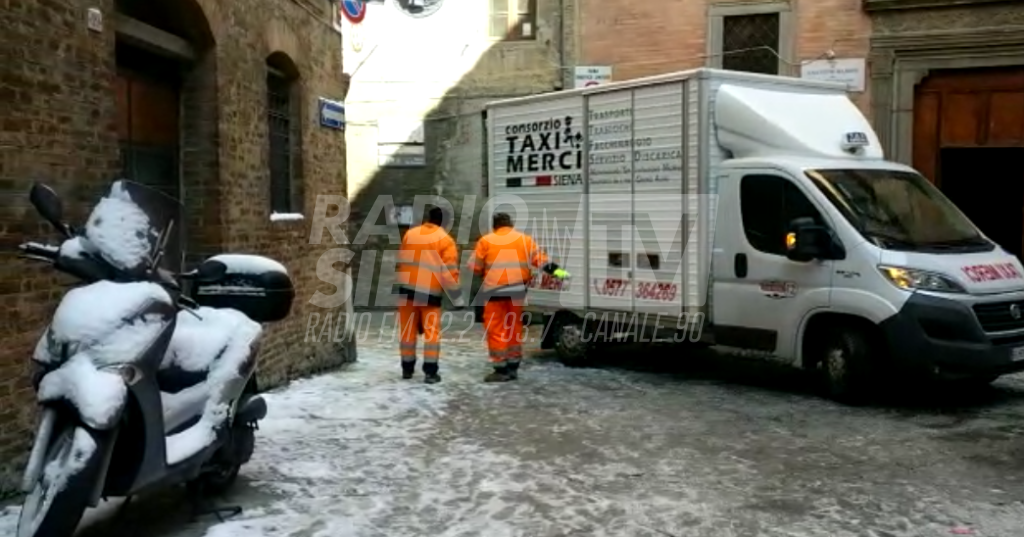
pixel 619 287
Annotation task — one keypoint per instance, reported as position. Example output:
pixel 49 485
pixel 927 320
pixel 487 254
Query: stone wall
pixel 440 69
pixel 57 124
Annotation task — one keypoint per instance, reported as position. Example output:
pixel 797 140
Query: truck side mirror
pixel 807 241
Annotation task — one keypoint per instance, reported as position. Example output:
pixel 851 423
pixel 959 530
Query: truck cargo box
pixel 615 181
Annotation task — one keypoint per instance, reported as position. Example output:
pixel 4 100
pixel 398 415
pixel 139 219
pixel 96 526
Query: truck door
pixel 760 296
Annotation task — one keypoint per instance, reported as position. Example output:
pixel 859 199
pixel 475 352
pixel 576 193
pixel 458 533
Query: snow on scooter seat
pixel 219 342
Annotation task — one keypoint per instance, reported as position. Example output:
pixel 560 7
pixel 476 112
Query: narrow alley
pixel 695 451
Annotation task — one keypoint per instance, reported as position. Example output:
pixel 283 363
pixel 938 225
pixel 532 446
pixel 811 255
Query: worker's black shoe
pixel 513 371
pixel 430 372
pixel 408 369
pixel 500 374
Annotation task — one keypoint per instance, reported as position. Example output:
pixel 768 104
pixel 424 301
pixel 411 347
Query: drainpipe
pixel 561 45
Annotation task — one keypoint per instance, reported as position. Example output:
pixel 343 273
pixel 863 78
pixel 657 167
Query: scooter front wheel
pixel 62 492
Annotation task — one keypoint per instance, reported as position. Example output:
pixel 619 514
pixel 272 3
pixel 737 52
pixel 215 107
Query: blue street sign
pixel 353 10
pixel 332 114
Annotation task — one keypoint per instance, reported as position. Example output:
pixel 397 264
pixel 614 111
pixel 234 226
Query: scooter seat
pixel 200 340
pixel 174 379
pixel 204 353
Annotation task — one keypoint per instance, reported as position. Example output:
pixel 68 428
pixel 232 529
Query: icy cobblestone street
pixel 703 450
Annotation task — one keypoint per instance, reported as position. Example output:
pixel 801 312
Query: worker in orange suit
pixel 428 267
pixel 507 260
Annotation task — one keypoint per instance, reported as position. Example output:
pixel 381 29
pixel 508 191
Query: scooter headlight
pixel 920 280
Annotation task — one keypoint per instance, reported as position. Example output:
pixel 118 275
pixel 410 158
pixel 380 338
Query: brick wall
pixel 57 124
pixel 648 38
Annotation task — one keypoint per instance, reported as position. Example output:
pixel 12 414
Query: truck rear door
pixel 610 214
pixel 659 221
pixel 536 160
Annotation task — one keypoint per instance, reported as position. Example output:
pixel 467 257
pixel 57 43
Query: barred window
pixel 750 43
pixel 283 133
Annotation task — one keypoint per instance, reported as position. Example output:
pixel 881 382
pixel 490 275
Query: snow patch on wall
pixel 286 217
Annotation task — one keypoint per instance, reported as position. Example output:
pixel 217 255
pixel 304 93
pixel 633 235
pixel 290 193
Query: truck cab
pixel 831 258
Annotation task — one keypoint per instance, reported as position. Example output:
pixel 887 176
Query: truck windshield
pixel 899 210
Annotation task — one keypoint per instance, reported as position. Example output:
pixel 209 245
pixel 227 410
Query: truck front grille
pixel 1000 316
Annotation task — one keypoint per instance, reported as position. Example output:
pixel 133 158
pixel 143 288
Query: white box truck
pixel 756 212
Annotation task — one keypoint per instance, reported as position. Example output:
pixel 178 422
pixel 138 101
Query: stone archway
pixel 168 111
pixel 911 41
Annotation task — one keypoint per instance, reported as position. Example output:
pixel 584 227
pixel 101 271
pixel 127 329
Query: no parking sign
pixel 353 10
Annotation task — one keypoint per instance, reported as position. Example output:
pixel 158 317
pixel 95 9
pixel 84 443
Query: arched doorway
pixel 167 110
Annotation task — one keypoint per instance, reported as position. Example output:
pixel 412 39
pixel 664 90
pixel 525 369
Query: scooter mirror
pixel 49 206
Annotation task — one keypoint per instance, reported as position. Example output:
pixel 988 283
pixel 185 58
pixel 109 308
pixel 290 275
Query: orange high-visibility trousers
pixel 411 318
pixel 503 319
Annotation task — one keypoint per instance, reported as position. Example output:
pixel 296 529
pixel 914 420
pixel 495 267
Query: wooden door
pixel 967 108
pixel 148 130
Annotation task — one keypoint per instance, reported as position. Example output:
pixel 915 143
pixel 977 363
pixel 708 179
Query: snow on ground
pixel 605 452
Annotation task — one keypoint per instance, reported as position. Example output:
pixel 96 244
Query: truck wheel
pixel 56 504
pixel 569 344
pixel 845 365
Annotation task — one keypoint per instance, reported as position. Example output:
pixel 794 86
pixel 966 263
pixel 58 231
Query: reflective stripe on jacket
pixel 506 259
pixel 428 262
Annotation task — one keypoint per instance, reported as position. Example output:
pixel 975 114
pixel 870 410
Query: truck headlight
pixel 915 279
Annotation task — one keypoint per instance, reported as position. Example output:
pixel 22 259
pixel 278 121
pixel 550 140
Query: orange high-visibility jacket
pixel 428 262
pixel 507 260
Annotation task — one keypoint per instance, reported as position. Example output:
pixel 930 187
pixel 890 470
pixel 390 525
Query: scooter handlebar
pixel 42 252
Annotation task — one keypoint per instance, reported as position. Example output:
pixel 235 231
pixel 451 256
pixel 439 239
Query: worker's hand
pixel 459 302
pixel 561 274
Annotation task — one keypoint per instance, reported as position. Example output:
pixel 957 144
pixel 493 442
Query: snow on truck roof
pixel 679 76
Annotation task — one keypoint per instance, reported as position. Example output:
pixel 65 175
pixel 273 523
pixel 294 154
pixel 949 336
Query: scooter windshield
pixel 127 227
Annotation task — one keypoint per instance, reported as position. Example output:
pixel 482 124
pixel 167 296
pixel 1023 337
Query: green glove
pixel 561 274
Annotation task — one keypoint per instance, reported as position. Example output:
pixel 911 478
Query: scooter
pixel 141 386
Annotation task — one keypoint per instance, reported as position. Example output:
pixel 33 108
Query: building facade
pixel 420 76
pixel 948 89
pixel 776 37
pixel 942 80
pixel 211 101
